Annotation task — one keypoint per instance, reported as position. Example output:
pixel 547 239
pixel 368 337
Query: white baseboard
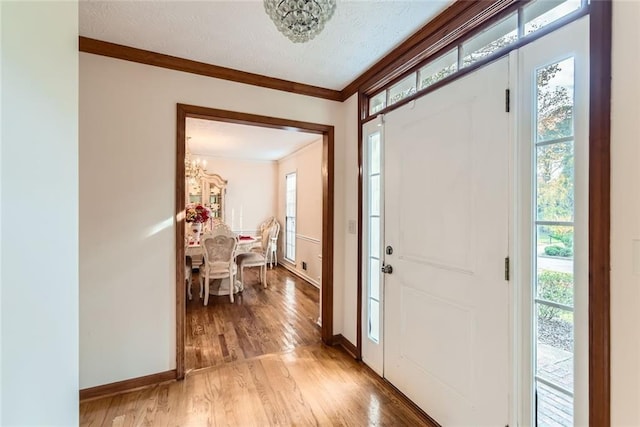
pixel 301 275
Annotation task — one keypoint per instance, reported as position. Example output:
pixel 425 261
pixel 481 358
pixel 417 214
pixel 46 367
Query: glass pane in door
pixel 374 234
pixel 553 296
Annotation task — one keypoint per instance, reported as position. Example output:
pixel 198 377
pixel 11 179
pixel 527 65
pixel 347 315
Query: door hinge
pixel 506 269
pixel 507 100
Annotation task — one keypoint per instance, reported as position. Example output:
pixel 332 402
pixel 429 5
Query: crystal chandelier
pixel 193 169
pixel 300 20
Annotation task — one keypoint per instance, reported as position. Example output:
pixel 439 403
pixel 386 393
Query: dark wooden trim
pixel 599 213
pixel 328 158
pixel 127 385
pixel 481 63
pixel 184 111
pixel 458 19
pixel 181 304
pixel 147 57
pixel 341 341
pixel 253 119
pixel 435 48
pixel 362 105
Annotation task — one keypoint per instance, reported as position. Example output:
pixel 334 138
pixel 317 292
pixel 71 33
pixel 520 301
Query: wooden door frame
pixel 183 112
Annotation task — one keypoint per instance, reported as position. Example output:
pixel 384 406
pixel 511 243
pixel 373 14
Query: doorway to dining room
pixel 263 179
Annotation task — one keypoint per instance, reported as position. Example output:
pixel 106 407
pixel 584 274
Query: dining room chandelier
pixel 193 168
pixel 300 20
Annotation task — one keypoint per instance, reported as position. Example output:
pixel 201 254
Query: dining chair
pixel 257 257
pixel 272 250
pixel 219 249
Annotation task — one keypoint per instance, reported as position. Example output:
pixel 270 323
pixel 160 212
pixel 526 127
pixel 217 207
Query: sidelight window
pixel 554 284
pixel 373 177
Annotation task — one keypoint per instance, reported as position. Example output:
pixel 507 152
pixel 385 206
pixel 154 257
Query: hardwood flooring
pixel 260 321
pixel 311 385
pixel 267 367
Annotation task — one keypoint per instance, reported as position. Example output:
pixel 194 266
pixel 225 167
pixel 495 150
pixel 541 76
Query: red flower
pixel 197 213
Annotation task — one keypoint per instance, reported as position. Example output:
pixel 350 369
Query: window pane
pixel 374 195
pixel 555 182
pixel 541 13
pixel 438 69
pixel 554 263
pixel 555 101
pixel 406 87
pixel 374 153
pixel 491 40
pixel 555 286
pixel 374 237
pixel 374 320
pixel 374 276
pixel 555 409
pixel 377 102
pixel 290 216
pixel 554 362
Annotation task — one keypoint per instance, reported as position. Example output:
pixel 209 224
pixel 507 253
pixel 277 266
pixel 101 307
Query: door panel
pixel 446 216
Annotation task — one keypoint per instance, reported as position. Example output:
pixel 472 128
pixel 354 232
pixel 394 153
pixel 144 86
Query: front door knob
pixel 387 269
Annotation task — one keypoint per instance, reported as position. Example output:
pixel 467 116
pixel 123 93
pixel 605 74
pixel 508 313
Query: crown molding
pixel 112 50
pixel 456 18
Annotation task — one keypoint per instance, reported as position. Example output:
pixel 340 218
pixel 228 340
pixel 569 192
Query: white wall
pixel 625 216
pixel 251 191
pixel 39 202
pixel 350 195
pixel 307 163
pixel 127 168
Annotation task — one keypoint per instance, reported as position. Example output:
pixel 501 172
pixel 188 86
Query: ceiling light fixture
pixel 194 169
pixel 300 20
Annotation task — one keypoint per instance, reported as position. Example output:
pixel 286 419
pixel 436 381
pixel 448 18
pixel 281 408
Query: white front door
pixel 446 325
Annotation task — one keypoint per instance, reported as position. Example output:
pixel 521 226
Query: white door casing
pixel 446 216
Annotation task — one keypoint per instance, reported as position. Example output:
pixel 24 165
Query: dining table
pixel 195 251
pixel 245 243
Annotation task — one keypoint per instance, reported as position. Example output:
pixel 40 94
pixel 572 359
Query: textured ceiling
pixel 212 138
pixel 240 35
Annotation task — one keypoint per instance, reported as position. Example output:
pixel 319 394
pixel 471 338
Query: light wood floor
pixel 260 321
pixel 309 386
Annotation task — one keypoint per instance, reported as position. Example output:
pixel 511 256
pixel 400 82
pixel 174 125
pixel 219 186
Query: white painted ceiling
pixel 219 139
pixel 239 34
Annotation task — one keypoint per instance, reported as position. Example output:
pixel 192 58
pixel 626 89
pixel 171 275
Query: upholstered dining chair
pixel 219 249
pixel 264 225
pixel 257 257
pixel 272 249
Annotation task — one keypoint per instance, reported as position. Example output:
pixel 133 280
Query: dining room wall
pixel 251 191
pixel 127 127
pixel 307 164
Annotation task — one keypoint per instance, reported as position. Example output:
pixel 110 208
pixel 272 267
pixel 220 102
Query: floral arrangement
pixel 197 213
